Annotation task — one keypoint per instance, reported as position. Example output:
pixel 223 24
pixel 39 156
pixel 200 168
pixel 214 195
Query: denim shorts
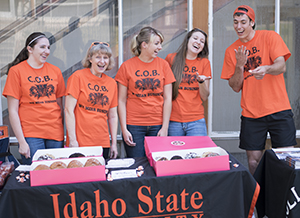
pixel 280 125
pixel 194 128
pixel 38 143
pixel 138 133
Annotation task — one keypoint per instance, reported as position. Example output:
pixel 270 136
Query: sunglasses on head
pixel 97 43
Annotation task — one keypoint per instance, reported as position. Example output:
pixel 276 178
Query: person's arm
pixel 14 118
pixel 70 120
pixel 60 104
pixel 203 86
pixel 236 81
pixel 278 67
pixel 167 107
pixel 113 127
pixel 122 99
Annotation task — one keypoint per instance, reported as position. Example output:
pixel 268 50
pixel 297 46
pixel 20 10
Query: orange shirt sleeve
pixel 13 85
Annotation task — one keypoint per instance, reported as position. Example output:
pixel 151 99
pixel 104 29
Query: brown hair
pixel 31 41
pixel 179 59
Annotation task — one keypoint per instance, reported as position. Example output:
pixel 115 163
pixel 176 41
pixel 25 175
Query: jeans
pixel 138 133
pixel 194 128
pixel 38 143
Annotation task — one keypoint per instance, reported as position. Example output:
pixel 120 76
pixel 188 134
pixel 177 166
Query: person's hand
pixel 113 151
pixel 202 78
pixel 241 56
pixel 24 149
pixel 128 138
pixel 259 72
pixel 162 132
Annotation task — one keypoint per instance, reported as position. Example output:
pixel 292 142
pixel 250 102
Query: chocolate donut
pixel 92 162
pixel 58 165
pixel 76 155
pixel 176 157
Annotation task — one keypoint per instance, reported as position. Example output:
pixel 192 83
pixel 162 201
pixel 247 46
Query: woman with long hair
pixel 34 91
pixel 192 71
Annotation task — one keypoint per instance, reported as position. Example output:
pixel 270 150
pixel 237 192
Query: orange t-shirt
pixel 188 106
pixel 260 97
pixel 95 96
pixel 37 91
pixel 145 83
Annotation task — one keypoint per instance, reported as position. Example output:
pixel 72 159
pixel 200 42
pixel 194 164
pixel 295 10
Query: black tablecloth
pixel 231 193
pixel 280 188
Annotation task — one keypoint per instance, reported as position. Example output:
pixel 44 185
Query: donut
pixel 76 155
pixel 176 157
pixel 192 155
pixel 46 157
pixel 42 167
pixel 210 154
pixel 58 165
pixel 75 164
pixel 162 159
pixel 92 162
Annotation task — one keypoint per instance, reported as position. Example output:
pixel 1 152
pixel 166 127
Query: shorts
pixel 280 126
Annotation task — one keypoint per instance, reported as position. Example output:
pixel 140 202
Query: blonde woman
pixel 91 101
pixel 145 92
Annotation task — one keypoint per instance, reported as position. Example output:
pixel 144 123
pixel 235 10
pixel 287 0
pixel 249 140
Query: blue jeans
pixel 194 128
pixel 38 143
pixel 138 134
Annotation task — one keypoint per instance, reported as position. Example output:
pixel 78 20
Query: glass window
pixel 4 6
pixel 169 17
pixel 290 32
pixel 73 25
pixel 226 103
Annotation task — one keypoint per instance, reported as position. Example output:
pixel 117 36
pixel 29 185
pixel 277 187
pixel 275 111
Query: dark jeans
pixel 138 133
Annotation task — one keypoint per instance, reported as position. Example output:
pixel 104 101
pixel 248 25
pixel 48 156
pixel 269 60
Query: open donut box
pixel 67 175
pixel 170 146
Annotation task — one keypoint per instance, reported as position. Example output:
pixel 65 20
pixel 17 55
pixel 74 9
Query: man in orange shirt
pixel 254 64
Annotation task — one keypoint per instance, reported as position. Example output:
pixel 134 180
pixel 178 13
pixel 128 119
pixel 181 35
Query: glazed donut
pixel 58 165
pixel 210 154
pixel 92 162
pixel 75 164
pixel 42 167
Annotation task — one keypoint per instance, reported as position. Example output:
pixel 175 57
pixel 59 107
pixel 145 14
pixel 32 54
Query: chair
pixel 5 154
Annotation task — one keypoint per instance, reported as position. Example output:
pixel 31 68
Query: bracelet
pixel 200 81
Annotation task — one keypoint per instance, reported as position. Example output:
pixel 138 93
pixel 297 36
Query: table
pixel 280 188
pixel 231 193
